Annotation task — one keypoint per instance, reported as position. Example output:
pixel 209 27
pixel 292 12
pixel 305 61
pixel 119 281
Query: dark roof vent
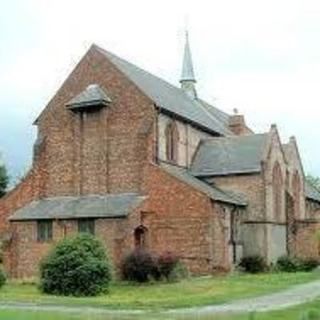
pixel 92 97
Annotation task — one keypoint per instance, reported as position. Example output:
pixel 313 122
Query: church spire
pixel 188 79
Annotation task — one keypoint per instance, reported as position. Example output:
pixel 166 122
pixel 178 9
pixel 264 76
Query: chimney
pixel 237 124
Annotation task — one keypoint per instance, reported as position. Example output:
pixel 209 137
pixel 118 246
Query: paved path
pixel 281 300
pixel 276 301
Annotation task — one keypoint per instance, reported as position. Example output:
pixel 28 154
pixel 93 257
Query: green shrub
pixel 3 278
pixel 294 264
pixel 287 264
pixel 253 264
pixel 77 266
pixel 139 266
pixel 166 263
pixel 179 272
pixel 308 264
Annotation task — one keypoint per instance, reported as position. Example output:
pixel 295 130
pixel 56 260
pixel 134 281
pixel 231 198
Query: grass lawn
pixel 30 315
pixel 294 313
pixel 190 292
pixel 48 315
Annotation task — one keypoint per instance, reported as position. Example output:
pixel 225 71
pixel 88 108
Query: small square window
pixel 44 230
pixel 86 225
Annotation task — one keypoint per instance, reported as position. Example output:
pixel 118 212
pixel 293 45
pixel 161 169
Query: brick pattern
pixel 185 221
pixel 82 150
pixel 115 150
pixel 26 252
pixel 96 153
pixel 238 126
pixel 307 240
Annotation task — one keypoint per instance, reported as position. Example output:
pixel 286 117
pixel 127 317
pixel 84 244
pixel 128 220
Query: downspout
pixel 187 147
pixel 156 148
pixel 82 116
pixel 107 151
pixel 265 185
pixel 232 234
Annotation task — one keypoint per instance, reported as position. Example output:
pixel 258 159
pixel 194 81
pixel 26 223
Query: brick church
pixel 139 162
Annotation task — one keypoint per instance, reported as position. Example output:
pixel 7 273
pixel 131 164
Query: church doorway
pixel 140 236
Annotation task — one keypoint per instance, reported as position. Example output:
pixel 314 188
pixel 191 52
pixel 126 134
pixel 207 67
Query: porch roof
pixel 91 206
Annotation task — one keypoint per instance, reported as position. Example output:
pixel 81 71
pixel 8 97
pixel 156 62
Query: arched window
pixel 140 237
pixel 277 188
pixel 296 188
pixel 172 138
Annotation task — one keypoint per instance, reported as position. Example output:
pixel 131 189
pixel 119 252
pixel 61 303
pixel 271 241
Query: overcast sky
pixel 261 57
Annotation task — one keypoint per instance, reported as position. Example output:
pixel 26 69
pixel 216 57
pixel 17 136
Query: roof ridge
pixel 211 106
pixel 208 112
pixel 198 101
pixel 200 114
pixel 140 68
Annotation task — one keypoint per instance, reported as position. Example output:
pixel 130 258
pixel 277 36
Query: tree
pixel 314 181
pixel 4 180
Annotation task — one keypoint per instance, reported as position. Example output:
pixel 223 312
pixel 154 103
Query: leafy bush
pixel 253 264
pixel 287 264
pixel 3 278
pixel 77 266
pixel 166 264
pixel 308 265
pixel 139 266
pixel 294 264
pixel 179 272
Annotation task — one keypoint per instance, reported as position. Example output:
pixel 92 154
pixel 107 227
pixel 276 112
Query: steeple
pixel 188 79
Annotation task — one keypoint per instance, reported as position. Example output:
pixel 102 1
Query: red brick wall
pixel 109 160
pixel 185 221
pixel 307 240
pixel 252 187
pixel 104 154
pixel 26 252
pixel 30 188
pixel 178 218
pixel 108 152
pixel 113 140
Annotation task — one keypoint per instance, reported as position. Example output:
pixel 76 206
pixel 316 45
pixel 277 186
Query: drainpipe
pixel 82 119
pixel 156 149
pixel 232 234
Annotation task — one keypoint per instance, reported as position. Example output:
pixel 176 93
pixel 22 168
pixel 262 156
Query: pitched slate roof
pixel 311 192
pixel 213 192
pixel 170 98
pixel 229 155
pixel 93 95
pixel 92 206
